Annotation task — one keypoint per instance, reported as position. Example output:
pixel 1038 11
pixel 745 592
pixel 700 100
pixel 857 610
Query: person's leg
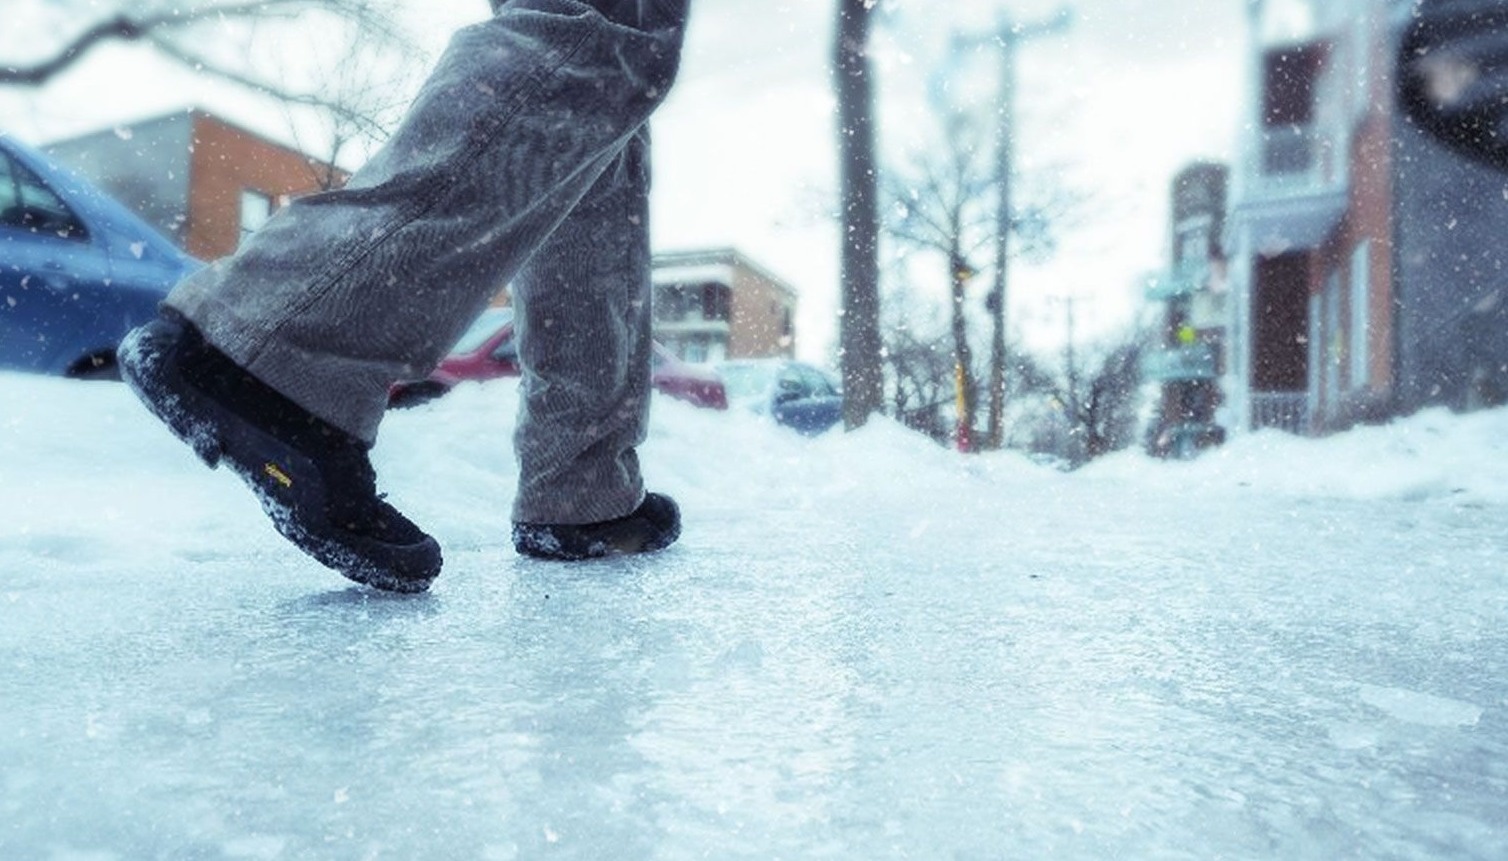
pixel 277 361
pixel 342 293
pixel 584 323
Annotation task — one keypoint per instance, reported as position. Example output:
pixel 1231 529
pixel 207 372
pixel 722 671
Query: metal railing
pixel 1285 411
pixel 1295 159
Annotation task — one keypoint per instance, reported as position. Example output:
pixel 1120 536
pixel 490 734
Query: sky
pixel 864 646
pixel 744 146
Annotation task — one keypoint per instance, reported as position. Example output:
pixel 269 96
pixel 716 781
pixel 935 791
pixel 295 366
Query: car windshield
pixel 746 380
pixel 485 327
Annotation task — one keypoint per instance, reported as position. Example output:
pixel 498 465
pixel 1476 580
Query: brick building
pixel 201 180
pixel 718 304
pixel 1366 258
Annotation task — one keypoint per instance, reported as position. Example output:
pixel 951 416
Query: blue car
pixel 794 394
pixel 77 269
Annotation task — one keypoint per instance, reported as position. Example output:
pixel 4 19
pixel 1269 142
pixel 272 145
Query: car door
pixel 53 272
pixel 823 406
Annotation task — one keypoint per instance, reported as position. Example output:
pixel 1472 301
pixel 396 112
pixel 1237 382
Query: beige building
pixel 718 304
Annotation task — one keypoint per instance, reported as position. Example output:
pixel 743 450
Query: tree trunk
pixel 859 328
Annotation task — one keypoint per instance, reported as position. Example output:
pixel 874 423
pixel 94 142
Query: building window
pixel 1291 80
pixel 716 303
pixel 1193 246
pixel 677 302
pixel 1361 324
pixel 256 208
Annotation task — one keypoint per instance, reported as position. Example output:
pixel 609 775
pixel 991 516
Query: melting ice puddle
pixel 1422 709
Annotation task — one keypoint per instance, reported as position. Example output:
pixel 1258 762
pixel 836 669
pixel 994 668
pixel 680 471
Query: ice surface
pixel 865 647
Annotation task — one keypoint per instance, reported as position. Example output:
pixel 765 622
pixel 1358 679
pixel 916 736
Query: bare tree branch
pixel 125 27
pixel 120 28
pixel 210 67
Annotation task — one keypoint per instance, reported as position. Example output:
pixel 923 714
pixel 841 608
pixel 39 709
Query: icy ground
pixel 864 648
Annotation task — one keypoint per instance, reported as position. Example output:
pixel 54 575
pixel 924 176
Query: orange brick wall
pixel 224 162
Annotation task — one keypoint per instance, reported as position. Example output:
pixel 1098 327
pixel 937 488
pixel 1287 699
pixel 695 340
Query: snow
pixel 864 647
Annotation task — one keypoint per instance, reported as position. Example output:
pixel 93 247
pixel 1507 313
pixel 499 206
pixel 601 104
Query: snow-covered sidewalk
pixel 865 647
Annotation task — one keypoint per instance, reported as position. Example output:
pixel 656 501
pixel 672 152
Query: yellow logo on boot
pixel 278 475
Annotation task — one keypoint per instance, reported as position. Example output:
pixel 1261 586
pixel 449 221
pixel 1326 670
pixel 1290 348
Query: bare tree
pixel 921 366
pixel 208 36
pixel 1097 409
pixel 372 97
pixel 859 330
pixel 941 204
pixel 919 363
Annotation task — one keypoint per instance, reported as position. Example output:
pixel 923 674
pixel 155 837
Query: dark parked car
pixel 487 351
pixel 77 269
pixel 795 394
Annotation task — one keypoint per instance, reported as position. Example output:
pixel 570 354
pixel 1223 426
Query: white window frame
pixel 256 209
pixel 1361 315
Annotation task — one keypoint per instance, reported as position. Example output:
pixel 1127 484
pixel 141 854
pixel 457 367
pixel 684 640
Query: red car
pixel 487 351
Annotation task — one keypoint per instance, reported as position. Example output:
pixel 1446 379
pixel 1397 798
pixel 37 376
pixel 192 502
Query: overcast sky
pixel 744 147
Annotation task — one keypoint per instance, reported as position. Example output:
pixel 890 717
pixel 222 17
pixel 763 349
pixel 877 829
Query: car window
pixel 483 328
pixel 26 203
pixel 817 383
pixel 793 382
pixel 745 381
pixel 506 350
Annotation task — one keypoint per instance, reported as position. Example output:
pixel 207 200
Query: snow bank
pixel 1434 454
pixel 77 456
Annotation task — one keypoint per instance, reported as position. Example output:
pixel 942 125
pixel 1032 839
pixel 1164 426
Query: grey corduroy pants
pixel 523 161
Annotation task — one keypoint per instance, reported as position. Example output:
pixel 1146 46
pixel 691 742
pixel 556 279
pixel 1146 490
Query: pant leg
pixel 344 292
pixel 643 14
pixel 583 322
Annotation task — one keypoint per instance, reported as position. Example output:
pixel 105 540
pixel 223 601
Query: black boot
pixel 314 480
pixel 654 525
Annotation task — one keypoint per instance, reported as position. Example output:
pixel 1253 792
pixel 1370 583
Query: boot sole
pixel 217 437
pixel 623 538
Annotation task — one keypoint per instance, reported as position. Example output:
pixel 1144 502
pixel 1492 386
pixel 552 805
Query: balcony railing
pixel 691 323
pixel 1285 411
pixel 1174 364
pixel 1294 190
pixel 1295 160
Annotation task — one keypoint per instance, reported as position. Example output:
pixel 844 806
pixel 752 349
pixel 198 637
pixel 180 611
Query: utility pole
pixel 1008 37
